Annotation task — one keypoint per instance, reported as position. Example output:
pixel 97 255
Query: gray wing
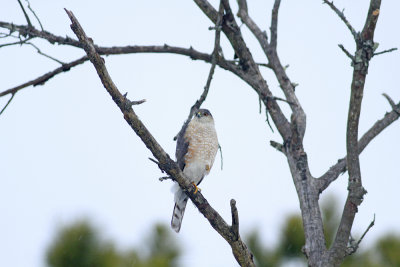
pixel 182 147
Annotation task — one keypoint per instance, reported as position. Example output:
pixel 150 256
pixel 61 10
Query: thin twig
pixel 33 12
pixel 44 54
pixel 342 17
pixel 385 51
pixel 346 52
pixel 214 57
pixel 366 231
pixel 392 104
pixel 9 101
pixel 266 65
pixel 25 14
pixel 354 246
pixel 281 99
pixel 44 78
pixel 267 119
pixel 190 52
pixel 20 42
pixel 253 27
pixel 151 159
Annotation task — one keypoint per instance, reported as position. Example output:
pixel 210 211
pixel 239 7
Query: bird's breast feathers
pixel 203 146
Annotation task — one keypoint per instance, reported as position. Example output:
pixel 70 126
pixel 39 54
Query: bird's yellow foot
pixel 196 188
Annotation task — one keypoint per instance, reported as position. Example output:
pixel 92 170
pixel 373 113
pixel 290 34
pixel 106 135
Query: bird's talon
pixel 196 188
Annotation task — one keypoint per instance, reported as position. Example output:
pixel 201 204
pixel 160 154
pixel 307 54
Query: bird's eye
pixel 205 114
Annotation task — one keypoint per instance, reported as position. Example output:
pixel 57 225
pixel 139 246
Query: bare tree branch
pixel 33 32
pixel 273 58
pixel 274 24
pixel 293 147
pixel 385 51
pixel 354 245
pixel 347 53
pixel 342 17
pixel 253 27
pixel 250 70
pixel 235 218
pixel 20 42
pixel 44 78
pixel 44 54
pixel 240 251
pixel 277 146
pixel 356 193
pixel 25 14
pixel 192 53
pixel 8 102
pixel 259 84
pixel 34 13
pixel 341 166
pixel 214 56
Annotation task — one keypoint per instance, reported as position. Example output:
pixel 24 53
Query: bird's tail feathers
pixel 181 200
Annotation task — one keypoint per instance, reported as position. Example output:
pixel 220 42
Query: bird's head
pixel 203 115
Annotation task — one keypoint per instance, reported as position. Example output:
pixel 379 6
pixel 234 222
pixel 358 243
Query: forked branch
pixel 364 53
pixel 341 166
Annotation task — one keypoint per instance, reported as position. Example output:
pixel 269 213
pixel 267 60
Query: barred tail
pixel 181 200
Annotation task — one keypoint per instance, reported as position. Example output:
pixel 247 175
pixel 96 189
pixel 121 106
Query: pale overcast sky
pixel 67 153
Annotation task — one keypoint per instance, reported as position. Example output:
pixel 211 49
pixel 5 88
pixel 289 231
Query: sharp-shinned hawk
pixel 196 148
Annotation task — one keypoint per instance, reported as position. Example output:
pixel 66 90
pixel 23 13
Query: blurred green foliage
pixel 81 245
pixel 384 253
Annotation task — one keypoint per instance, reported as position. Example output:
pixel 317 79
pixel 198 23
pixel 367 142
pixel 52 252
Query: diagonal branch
pixel 34 14
pixel 341 166
pixel 25 14
pixel 270 51
pixel 342 17
pixel 354 245
pixel 44 78
pixel 8 103
pixel 242 254
pixel 347 53
pixel 44 54
pixel 250 70
pixel 253 27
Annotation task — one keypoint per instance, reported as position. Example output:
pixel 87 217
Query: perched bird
pixel 196 148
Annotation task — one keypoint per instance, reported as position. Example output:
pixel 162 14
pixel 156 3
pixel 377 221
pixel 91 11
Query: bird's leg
pixel 196 188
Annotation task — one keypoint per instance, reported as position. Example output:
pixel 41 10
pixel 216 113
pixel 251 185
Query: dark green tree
pixel 81 245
